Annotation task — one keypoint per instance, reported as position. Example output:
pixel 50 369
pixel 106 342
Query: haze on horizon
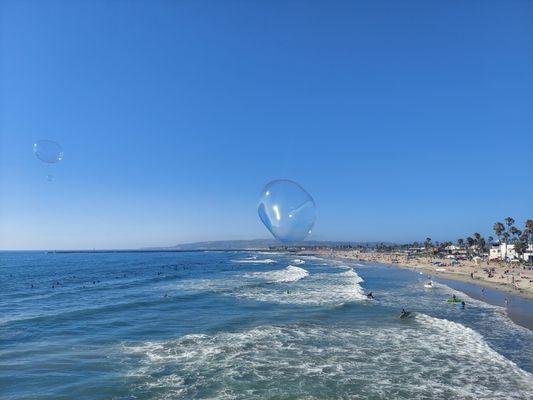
pixel 402 120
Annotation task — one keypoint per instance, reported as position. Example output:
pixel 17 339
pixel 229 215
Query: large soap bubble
pixel 287 210
pixel 48 151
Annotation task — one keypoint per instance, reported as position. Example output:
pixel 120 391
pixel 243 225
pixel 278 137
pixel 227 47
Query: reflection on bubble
pixel 48 151
pixel 50 178
pixel 287 210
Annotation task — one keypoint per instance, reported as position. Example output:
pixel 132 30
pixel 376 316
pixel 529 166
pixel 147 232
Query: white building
pixel 504 250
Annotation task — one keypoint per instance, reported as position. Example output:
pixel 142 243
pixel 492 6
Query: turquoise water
pixel 246 326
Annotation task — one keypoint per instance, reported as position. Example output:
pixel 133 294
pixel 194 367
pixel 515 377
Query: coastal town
pixel 504 263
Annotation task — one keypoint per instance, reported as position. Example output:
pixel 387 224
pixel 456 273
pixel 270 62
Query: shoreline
pixel 518 309
pixel 501 280
pixel 518 305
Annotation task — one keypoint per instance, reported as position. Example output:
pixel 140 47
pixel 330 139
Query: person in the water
pixel 370 295
pixel 404 314
pixel 454 299
pixel 463 304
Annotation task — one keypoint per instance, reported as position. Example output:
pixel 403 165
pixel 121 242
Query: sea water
pixel 246 325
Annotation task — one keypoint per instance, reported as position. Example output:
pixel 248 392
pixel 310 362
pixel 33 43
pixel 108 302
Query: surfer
pixel 454 299
pixel 463 304
pixel 404 314
pixel 370 295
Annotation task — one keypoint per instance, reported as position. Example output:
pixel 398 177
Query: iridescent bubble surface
pixel 48 151
pixel 287 210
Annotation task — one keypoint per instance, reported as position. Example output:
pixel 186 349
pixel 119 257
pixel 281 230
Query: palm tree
pixel 498 228
pixel 529 229
pixel 509 221
pixel 505 236
pixel 460 242
pixel 513 230
pixel 477 242
pixel 491 239
pixel 482 245
pixel 469 243
pixel 520 248
pixel 427 243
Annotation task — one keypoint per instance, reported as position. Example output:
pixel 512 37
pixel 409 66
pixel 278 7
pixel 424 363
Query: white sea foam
pixel 342 266
pixel 254 261
pixel 353 274
pixel 288 274
pixel 421 358
pixel 272 286
pixel 316 289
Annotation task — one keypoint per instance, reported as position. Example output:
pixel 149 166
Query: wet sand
pixel 518 308
pixel 512 279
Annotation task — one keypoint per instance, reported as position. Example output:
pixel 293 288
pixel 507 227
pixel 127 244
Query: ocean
pixel 246 325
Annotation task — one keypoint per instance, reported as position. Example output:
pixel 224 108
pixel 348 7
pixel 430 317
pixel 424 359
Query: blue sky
pixel 402 119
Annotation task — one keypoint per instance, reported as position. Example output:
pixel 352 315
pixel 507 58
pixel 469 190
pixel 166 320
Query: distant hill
pixel 222 245
pixel 255 244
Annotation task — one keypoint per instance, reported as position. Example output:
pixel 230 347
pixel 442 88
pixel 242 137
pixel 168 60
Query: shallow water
pixel 234 326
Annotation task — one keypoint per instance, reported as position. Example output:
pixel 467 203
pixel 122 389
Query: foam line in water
pixel 254 261
pixel 430 358
pixel 288 274
pixel 290 285
pixel 315 289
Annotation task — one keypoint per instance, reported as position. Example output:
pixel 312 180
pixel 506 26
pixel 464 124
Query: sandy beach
pixel 513 279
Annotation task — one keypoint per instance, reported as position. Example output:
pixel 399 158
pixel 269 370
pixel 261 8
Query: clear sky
pixel 402 119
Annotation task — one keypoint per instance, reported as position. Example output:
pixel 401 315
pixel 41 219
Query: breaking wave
pixel 288 274
pixel 254 260
pixel 424 358
pixel 285 286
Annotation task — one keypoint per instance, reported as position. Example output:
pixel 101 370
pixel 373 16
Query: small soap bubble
pixel 48 151
pixel 287 210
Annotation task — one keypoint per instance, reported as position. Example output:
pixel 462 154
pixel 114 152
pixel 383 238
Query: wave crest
pixel 285 275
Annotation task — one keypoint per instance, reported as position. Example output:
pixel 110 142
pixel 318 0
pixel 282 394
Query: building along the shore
pixel 506 251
